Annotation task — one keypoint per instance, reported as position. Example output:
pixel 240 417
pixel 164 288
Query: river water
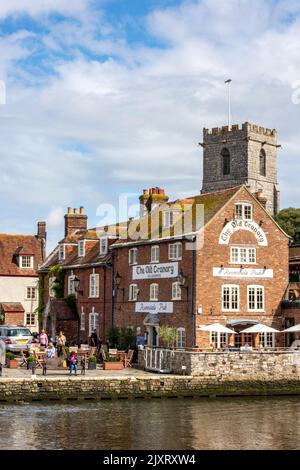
pixel 216 423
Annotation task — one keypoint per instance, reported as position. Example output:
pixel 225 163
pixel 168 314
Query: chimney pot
pixel 70 211
pixel 81 210
pixel 75 211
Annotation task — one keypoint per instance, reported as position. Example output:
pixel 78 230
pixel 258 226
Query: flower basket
pixel 113 365
pixel 31 362
pixel 11 361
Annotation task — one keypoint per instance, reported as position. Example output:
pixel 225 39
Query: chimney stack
pixel 151 198
pixel 75 220
pixel 262 199
pixel 41 230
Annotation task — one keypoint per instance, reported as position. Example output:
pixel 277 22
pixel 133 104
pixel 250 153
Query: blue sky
pixel 109 97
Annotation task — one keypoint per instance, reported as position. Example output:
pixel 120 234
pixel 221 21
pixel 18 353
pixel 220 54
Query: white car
pixel 295 344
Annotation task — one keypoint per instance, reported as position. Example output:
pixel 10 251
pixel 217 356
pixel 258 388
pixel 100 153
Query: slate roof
pixel 11 246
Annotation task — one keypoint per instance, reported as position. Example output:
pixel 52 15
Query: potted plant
pixel 31 362
pixel 92 363
pixel 11 361
pixel 113 363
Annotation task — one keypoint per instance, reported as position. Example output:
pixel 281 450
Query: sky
pixel 100 98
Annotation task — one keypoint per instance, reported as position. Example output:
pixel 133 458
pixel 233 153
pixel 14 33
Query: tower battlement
pixel 245 127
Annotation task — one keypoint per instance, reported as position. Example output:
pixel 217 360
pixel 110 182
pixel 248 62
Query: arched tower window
pixel 225 161
pixel 262 163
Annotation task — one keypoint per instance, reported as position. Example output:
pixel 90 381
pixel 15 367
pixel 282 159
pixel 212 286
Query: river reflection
pixel 225 423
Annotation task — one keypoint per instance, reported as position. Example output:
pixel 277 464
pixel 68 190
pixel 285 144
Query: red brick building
pixel 230 266
pixel 238 275
pixel 20 258
pixel 84 273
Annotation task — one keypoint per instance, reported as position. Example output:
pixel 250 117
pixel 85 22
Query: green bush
pixel 9 355
pixel 113 359
pixel 122 337
pixel 31 359
pixel 92 359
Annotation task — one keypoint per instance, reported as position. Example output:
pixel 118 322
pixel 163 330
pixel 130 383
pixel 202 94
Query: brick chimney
pixel 262 199
pixel 75 220
pixel 151 198
pixel 41 230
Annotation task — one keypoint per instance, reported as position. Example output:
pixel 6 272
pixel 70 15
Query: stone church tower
pixel 246 155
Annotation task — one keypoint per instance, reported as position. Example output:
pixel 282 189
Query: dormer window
pixel 168 219
pixel 61 252
pixel 26 262
pixel 81 248
pixel 103 246
pixel 243 211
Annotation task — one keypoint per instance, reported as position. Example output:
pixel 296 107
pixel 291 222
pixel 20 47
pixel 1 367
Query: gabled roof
pixel 12 307
pixel 12 246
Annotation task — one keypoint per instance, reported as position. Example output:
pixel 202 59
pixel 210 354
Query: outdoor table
pixel 40 358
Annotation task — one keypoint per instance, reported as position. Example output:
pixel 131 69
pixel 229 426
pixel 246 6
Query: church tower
pixel 246 155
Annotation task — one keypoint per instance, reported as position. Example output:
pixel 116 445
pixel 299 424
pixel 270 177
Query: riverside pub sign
pixel 239 224
pixel 155 271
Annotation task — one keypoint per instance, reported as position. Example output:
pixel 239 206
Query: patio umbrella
pixel 260 328
pixel 292 329
pixel 216 328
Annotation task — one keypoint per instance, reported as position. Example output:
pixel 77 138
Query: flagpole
pixel 229 102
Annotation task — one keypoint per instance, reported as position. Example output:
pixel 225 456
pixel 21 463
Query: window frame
pixel 262 162
pixel 30 297
pixel 239 259
pixel 27 257
pixel 168 219
pixel 155 249
pixel 132 292
pixel 95 324
pixel 71 286
pixel 82 321
pixel 154 292
pixel 181 338
pixel 255 287
pixel 132 256
pixel 231 299
pixel 94 277
pixel 31 315
pixel 176 288
pixel 176 256
pixel 103 249
pixel 61 252
pixel 226 162
pixel 244 206
pixel 81 248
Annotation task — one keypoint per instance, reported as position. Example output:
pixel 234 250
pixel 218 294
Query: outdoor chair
pixel 128 358
pixel 24 360
pixel 113 352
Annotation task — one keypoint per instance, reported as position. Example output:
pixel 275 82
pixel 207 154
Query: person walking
pixel 43 339
pixel 73 361
pixel 94 339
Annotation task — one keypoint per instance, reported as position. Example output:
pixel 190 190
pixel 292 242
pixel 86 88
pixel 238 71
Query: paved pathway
pixel 21 372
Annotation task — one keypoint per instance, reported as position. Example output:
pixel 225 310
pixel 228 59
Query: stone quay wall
pixel 145 387
pixel 231 365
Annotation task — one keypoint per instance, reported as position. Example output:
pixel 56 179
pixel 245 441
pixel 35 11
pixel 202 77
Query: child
pixel 73 363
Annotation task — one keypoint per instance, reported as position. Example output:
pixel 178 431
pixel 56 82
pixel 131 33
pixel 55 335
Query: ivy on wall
pixel 58 285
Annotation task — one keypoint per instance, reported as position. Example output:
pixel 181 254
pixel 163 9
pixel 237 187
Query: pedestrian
pixel 94 338
pixel 50 351
pixel 61 342
pixel 73 361
pixel 43 339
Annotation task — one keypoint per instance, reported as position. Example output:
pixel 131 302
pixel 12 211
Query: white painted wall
pixel 13 289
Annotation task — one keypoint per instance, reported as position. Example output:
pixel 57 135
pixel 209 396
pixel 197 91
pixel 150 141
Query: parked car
pixel 16 338
pixel 295 344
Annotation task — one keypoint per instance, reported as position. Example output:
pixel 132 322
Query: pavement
pixel 22 372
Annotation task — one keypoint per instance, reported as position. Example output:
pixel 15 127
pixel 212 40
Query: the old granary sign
pixel 154 307
pixel 239 224
pixel 155 271
pixel 243 273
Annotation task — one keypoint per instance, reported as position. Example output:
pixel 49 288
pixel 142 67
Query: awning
pixel 216 328
pixel 260 328
pixel 151 320
pixel 292 329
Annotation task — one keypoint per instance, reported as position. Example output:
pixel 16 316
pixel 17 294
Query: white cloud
pixel 93 129
pixel 43 7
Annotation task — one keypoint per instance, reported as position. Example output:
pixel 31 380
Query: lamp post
pixel 118 282
pixel 181 279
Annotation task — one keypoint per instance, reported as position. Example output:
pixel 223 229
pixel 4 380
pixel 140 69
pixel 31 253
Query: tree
pixel 289 221
pixel 167 336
